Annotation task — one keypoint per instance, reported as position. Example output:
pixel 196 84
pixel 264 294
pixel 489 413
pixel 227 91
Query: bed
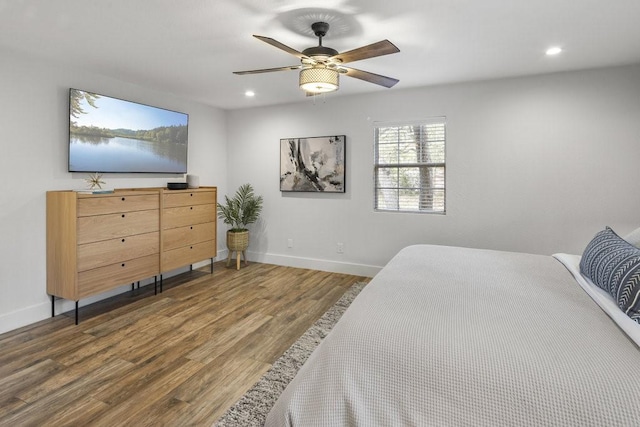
pixel 456 336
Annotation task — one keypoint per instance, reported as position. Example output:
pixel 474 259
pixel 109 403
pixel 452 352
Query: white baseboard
pixel 310 263
pixel 35 313
pixel 23 317
pixel 315 264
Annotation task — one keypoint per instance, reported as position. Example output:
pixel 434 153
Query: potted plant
pixel 239 211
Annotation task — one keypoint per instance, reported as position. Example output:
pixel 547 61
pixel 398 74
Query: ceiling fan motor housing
pixel 320 51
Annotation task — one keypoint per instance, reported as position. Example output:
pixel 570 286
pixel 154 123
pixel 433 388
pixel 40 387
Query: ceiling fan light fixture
pixel 319 80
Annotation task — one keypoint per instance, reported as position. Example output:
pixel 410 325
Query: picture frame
pixel 315 164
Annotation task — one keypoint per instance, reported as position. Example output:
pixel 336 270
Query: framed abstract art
pixel 314 164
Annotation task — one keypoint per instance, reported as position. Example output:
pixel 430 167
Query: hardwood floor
pixel 177 358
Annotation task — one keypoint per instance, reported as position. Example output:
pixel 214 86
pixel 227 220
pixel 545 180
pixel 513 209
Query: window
pixel 410 167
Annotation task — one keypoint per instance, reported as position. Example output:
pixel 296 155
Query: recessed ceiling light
pixel 553 50
pixel 249 94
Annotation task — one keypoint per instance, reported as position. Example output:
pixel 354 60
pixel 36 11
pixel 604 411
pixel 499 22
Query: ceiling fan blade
pixel 268 70
pixel 371 77
pixel 384 47
pixel 281 46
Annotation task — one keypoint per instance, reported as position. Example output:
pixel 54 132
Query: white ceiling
pixel 191 47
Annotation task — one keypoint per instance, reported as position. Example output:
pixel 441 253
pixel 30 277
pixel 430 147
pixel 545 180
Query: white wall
pixel 536 164
pixel 34 109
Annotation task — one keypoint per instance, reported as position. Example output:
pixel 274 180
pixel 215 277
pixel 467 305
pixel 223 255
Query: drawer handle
pixel 122 215
pixel 191 247
pixel 191 228
pixel 123 199
pixel 122 240
pixel 191 208
pixel 191 194
pixel 123 264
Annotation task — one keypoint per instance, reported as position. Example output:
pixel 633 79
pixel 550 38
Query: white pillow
pixel 633 237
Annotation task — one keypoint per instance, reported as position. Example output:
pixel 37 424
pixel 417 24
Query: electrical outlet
pixel 340 248
pixel 289 243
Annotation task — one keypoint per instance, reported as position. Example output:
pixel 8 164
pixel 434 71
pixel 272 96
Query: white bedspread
pixel 454 336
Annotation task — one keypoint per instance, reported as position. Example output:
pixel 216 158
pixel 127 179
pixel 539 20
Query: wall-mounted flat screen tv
pixel 111 135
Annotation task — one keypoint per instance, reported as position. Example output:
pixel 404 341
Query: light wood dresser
pixel 97 242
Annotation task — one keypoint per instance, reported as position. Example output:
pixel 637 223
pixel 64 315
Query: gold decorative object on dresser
pixel 97 242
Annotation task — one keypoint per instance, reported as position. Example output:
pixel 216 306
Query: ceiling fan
pixel 320 66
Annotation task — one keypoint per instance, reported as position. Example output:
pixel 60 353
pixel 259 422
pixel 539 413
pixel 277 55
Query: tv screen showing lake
pixel 125 155
pixel 112 135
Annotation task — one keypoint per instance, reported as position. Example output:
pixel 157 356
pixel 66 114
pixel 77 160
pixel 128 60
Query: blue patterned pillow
pixel 613 264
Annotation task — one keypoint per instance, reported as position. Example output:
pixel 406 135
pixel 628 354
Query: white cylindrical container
pixel 193 181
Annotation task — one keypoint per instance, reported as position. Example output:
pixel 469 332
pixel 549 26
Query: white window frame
pixel 430 199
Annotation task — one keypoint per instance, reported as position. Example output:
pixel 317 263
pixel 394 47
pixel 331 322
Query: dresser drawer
pixel 188 198
pixel 185 236
pixel 188 255
pixel 187 215
pixel 105 227
pixel 100 254
pixel 101 205
pixel 102 279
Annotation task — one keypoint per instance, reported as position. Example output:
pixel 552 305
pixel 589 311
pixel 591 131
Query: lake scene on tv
pixel 112 135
